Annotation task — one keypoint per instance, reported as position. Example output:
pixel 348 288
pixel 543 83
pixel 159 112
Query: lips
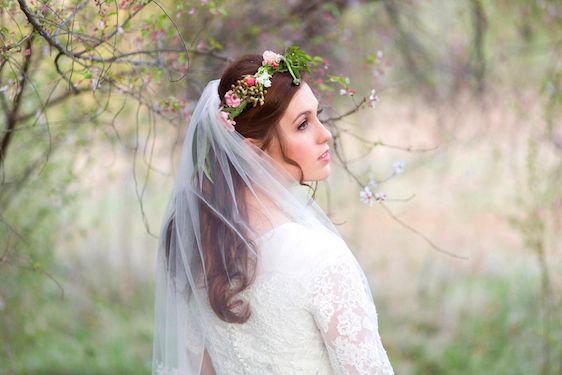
pixel 325 156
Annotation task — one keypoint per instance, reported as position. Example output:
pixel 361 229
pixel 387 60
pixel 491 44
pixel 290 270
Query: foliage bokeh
pixel 90 157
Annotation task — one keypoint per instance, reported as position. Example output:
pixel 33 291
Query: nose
pixel 324 135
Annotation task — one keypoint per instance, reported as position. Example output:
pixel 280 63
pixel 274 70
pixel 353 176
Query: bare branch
pixel 3 102
pixel 479 23
pixel 341 159
pixel 418 233
pixel 11 116
pixel 51 102
pixel 110 35
pixel 353 110
pixel 211 53
pixel 70 17
pixel 62 49
pixel 6 48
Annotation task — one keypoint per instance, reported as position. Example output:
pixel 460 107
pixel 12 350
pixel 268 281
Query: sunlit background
pixel 464 255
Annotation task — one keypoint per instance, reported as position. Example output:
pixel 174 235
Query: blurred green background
pixel 469 96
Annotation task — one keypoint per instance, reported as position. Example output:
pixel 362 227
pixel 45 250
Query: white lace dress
pixel 312 313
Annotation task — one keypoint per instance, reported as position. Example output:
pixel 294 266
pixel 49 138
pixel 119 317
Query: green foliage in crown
pixel 251 89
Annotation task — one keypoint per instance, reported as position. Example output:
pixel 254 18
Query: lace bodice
pixel 312 312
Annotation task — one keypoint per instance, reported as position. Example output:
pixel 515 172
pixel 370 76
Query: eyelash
pixel 306 122
pixel 301 126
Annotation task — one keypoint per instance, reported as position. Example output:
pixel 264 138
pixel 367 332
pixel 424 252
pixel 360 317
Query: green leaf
pixel 295 61
pixel 371 58
pixel 206 168
pixel 215 44
pixel 203 164
pixel 157 75
pixel 332 8
pixel 235 111
pixel 325 87
pixel 344 81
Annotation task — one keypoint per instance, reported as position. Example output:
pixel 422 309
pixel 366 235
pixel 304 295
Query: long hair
pixel 227 258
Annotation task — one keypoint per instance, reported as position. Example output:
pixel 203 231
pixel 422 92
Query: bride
pixel 252 277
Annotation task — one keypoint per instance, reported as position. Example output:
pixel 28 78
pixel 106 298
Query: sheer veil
pixel 218 168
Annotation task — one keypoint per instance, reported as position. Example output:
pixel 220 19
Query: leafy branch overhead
pixel 122 50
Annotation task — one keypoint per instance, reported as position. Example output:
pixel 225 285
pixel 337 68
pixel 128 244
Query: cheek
pixel 299 149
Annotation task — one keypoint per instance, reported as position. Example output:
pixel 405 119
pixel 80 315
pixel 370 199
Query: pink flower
pixel 228 123
pixel 250 80
pixel 271 58
pixel 231 99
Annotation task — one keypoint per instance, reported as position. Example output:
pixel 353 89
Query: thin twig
pixel 73 55
pixel 348 113
pixel 418 233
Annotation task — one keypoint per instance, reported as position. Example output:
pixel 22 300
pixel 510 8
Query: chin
pixel 320 175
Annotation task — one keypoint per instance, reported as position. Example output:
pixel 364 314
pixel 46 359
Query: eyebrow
pixel 307 112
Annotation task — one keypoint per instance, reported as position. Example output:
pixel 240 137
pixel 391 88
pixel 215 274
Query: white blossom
pixel 264 79
pixel 366 196
pixel 348 92
pixel 373 98
pixel 399 166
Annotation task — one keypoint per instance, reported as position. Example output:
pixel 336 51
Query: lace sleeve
pixel 341 304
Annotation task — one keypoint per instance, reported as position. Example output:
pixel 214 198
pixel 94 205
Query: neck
pixel 263 213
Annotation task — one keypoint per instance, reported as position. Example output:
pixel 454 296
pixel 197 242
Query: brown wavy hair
pixel 223 248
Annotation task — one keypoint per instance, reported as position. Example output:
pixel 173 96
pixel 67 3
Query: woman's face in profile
pixel 304 138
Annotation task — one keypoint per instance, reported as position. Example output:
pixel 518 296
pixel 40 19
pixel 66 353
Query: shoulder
pixel 298 248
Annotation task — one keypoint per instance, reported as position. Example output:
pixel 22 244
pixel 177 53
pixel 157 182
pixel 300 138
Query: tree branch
pixel 52 102
pixel 73 55
pixel 11 116
pixel 356 108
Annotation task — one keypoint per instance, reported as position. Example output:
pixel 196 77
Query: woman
pixel 252 277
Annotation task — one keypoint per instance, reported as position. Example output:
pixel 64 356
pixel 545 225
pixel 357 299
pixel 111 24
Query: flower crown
pixel 252 88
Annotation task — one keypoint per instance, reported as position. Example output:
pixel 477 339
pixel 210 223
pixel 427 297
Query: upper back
pixel 294 250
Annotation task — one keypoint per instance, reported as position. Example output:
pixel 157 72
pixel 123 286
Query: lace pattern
pixel 342 306
pixel 279 338
pixel 312 314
